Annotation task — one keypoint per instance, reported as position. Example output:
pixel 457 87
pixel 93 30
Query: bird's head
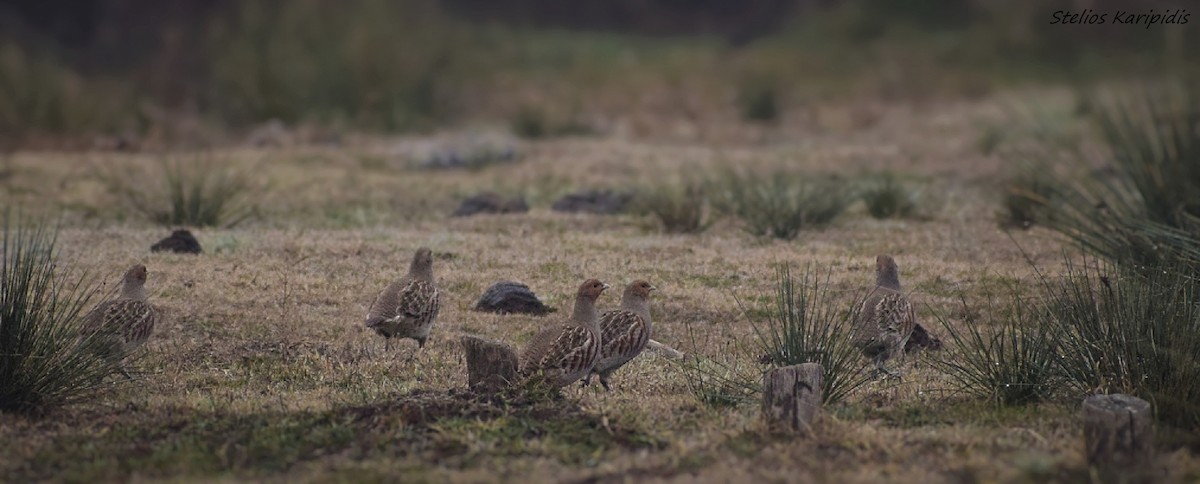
pixel 136 275
pixel 640 289
pixel 886 272
pixel 591 289
pixel 422 261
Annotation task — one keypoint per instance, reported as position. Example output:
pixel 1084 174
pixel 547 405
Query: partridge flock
pixel 565 351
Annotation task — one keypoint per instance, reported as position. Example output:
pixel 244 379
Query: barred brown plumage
pixel 129 319
pixel 565 352
pixel 408 307
pixel 623 332
pixel 886 319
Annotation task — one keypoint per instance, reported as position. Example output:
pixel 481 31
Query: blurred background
pixel 78 73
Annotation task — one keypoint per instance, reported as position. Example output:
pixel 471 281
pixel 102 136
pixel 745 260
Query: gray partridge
pixel 886 319
pixel 408 307
pixel 566 351
pixel 127 320
pixel 623 332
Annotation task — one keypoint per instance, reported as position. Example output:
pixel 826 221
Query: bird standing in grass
pixel 407 307
pixel 126 321
pixel 886 319
pixel 565 352
pixel 623 332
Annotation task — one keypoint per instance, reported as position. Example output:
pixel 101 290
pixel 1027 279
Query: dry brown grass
pixel 262 367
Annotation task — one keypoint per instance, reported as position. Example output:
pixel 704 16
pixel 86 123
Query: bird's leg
pixel 387 344
pixel 587 380
pixel 604 381
pixel 898 357
pixel 879 370
pixel 126 374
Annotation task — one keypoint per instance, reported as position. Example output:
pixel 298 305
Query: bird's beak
pixel 652 288
pixel 603 286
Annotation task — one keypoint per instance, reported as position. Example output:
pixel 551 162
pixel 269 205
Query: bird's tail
pixel 372 322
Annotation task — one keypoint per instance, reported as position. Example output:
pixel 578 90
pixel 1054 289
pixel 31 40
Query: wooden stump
pixel 1118 431
pixel 491 366
pixel 792 398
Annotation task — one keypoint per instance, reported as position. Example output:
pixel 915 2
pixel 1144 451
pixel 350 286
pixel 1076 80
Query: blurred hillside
pixel 74 69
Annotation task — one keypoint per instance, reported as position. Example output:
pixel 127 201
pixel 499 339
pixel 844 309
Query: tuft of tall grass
pixel 39 96
pixel 1026 197
pixel 759 103
pixel 721 383
pixel 535 123
pixel 1009 358
pixel 1143 207
pixel 311 60
pixel 45 363
pixel 1127 331
pixel 198 192
pixel 804 324
pixel 782 204
pixel 887 197
pixel 680 206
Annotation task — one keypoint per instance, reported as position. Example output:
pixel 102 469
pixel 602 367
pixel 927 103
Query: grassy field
pixel 262 368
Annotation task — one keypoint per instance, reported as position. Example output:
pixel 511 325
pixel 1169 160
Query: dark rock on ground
pixel 922 339
pixel 594 201
pixel 490 202
pixel 180 242
pixel 506 297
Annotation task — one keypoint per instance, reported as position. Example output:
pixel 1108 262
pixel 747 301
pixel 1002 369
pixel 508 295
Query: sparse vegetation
pixel 1009 358
pixel 783 203
pixel 887 197
pixel 759 103
pixel 45 362
pixel 39 97
pixel 196 191
pixel 262 369
pixel 680 206
pixel 1134 332
pixel 1026 197
pixel 805 324
pixel 1143 208
pixel 725 382
pixel 534 123
pixel 802 323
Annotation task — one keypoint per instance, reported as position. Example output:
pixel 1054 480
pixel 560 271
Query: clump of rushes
pixel 1026 197
pixel 1143 208
pixel 680 206
pixel 198 192
pixel 1009 359
pixel 1130 331
pixel 805 323
pixel 45 360
pixel 888 197
pixel 782 204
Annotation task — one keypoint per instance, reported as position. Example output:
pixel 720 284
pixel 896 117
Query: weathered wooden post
pixel 1118 432
pixel 491 366
pixel 792 398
